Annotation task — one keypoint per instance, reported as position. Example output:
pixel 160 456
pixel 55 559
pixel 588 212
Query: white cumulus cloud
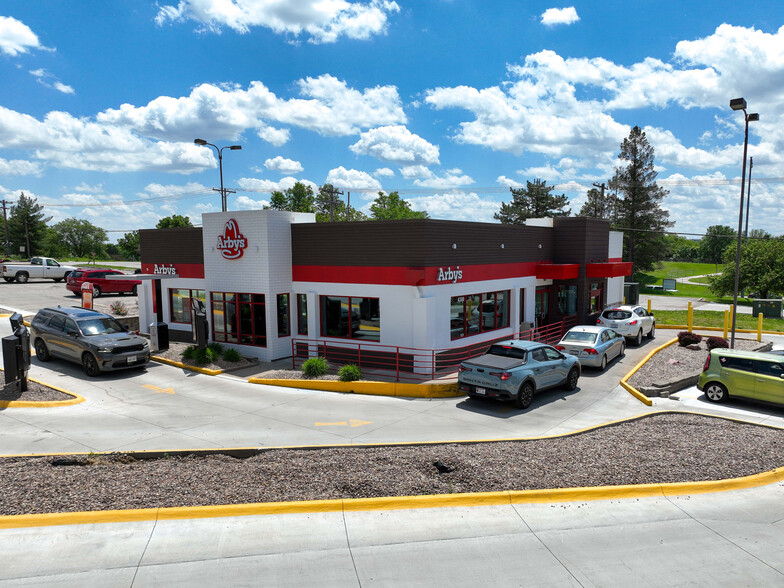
pixel 395 143
pixel 19 167
pixel 283 165
pixel 352 179
pixel 269 186
pixel 323 21
pixel 16 37
pixel 559 16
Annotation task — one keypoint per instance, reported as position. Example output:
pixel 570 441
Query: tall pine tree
pixel 640 215
pixel 533 201
pixel 27 226
pixel 599 204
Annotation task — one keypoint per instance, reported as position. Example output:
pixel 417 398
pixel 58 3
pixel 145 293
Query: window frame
pixel 287 331
pixel 238 334
pixel 322 319
pixel 302 298
pixel 482 328
pixel 190 298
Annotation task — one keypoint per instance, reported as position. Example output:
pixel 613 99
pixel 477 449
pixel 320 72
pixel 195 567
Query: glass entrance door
pixel 542 306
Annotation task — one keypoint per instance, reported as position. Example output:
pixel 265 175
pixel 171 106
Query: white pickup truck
pixel 39 267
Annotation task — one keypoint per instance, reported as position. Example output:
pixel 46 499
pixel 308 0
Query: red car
pixel 102 279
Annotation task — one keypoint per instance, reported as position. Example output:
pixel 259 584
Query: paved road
pixel 723 539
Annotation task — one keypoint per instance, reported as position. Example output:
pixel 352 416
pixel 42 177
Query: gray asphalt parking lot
pixel 606 542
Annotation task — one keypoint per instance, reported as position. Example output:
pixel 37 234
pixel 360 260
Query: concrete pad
pixel 71 549
pixel 296 569
pixel 221 538
pixel 89 579
pixel 504 560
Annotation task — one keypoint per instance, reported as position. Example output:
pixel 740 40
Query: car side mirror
pixel 651 313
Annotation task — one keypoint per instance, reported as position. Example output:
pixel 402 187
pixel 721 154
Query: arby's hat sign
pixel 232 243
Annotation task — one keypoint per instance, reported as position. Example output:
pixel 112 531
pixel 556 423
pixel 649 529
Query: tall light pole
pixel 219 150
pixel 748 199
pixel 740 104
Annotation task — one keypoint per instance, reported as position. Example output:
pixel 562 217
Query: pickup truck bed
pixel 497 362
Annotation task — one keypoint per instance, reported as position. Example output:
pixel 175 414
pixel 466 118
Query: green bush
pixel 216 348
pixel 349 373
pixel 232 355
pixel 315 367
pixel 189 353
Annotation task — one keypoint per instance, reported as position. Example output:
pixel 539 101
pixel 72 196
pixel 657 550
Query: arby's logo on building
pixel 232 243
pixel 450 275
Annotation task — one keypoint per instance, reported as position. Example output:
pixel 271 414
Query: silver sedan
pixel 593 346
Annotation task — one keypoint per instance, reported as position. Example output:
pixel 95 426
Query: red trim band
pixel 183 270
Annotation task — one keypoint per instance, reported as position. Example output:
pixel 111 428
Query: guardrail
pixel 410 363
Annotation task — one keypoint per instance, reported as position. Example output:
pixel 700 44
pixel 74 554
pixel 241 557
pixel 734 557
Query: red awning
pixel 557 271
pixel 608 270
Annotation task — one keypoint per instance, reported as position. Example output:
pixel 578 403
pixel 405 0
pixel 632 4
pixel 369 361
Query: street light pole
pixel 748 199
pixel 219 150
pixel 740 104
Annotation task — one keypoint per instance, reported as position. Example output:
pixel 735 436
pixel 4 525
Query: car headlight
pixel 104 350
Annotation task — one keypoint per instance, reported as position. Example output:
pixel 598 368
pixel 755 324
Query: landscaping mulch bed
pixel 654 449
pixel 35 393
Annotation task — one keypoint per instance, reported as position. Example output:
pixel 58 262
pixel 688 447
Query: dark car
pixel 103 280
pixel 93 339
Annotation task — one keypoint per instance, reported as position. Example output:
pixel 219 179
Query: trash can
pixel 631 292
pixel 159 336
pixel 769 307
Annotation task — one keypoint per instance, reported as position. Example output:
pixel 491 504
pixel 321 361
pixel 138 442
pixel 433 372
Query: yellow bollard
pixel 649 306
pixel 759 327
pixel 690 317
pixel 726 322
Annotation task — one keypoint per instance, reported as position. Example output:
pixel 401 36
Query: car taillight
pixel 560 347
pixel 598 321
pixel 502 375
pixel 707 363
pixel 591 351
pixel 634 322
pixel 463 368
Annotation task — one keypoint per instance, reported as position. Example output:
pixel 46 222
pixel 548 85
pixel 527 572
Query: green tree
pixel 53 246
pixel 173 221
pixel 640 215
pixel 392 207
pixel 715 241
pixel 683 249
pixel 27 226
pixel 533 201
pixel 331 206
pixel 128 245
pixel 298 198
pixel 761 269
pixel 597 206
pixel 80 237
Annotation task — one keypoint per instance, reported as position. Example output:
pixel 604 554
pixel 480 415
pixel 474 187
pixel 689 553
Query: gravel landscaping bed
pixel 35 393
pixel 653 449
pixel 174 353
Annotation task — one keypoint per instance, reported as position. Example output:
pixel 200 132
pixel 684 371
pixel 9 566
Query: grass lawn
pixel 710 318
pixel 683 269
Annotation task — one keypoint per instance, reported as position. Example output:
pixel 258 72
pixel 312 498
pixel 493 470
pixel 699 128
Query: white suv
pixel 630 321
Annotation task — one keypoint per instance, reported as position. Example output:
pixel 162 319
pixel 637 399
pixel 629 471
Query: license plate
pixel 133 359
pixel 613 325
pixel 573 352
pixel 479 390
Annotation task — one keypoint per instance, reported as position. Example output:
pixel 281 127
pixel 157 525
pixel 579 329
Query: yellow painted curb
pixel 717 329
pixel 366 387
pixel 631 389
pixel 394 502
pixel 184 366
pixel 77 399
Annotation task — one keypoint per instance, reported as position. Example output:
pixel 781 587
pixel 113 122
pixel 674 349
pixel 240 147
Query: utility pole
pixel 5 224
pixel 27 240
pixel 332 193
pixel 602 187
pixel 748 199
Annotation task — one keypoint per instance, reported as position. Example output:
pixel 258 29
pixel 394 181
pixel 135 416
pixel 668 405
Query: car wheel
pixel 57 279
pixel 135 290
pixel 90 365
pixel 22 277
pixel 9 280
pixel 41 350
pixel 525 395
pixel 571 379
pixel 604 363
pixel 96 291
pixel 652 332
pixel 638 338
pixel 716 392
pixel 623 349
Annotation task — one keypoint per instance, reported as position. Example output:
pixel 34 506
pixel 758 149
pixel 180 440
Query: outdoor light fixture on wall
pixel 740 104
pixel 454 245
pixel 222 190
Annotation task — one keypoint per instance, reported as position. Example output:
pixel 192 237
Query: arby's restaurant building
pixel 277 284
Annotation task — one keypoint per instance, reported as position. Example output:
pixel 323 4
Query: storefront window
pixel 567 300
pixel 302 314
pixel 478 313
pixel 349 317
pixel 284 322
pixel 239 318
pixel 180 304
pixel 595 300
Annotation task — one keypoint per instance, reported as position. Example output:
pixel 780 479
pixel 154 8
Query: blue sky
pixel 447 101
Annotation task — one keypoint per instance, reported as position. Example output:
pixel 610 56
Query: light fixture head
pixel 502 245
pixel 454 245
pixel 738 104
pixel 235 147
pixel 200 141
pixel 753 116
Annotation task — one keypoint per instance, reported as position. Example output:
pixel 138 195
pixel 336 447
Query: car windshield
pixel 617 315
pixel 507 351
pixel 580 337
pixel 100 326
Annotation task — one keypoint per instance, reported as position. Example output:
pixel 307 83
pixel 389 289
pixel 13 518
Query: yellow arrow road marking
pixel 159 389
pixel 352 422
pixel 356 423
pixel 338 424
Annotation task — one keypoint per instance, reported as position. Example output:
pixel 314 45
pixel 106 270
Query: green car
pixel 750 374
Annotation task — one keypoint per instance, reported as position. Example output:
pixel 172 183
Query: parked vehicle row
pixel 631 321
pixel 102 279
pixel 39 267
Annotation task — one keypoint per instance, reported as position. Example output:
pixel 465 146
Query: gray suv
pixel 93 339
